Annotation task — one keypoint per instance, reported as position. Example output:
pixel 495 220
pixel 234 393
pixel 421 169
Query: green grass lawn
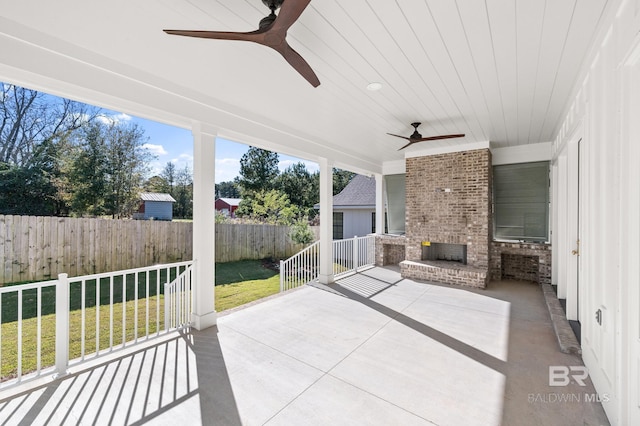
pixel 242 282
pixel 243 270
pixel 235 294
pixel 237 283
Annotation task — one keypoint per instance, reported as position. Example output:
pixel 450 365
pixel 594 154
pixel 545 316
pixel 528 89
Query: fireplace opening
pixel 444 252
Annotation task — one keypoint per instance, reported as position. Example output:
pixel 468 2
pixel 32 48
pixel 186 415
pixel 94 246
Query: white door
pixel 630 241
pixel 600 234
pixel 573 228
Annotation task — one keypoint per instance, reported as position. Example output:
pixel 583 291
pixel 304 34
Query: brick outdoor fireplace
pixel 448 218
pixel 444 252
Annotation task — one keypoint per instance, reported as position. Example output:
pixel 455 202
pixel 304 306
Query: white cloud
pixel 155 168
pixel 104 119
pixel 122 117
pixel 155 149
pixel 310 165
pixel 114 118
pixel 227 169
pixel 182 160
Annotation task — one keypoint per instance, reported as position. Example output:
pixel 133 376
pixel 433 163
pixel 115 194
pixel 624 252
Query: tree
pixel 301 232
pixel 258 170
pixel 28 118
pixel 88 170
pixel 37 189
pixel 34 132
pixel 340 179
pixel 127 163
pixel 155 184
pixel 169 176
pixel 300 186
pixel 229 189
pixel 271 206
pixel 108 169
pixel 183 194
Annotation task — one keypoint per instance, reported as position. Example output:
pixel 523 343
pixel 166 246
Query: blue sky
pixel 174 144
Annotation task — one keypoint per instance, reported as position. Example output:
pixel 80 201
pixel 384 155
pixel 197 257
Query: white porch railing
pixel 300 268
pixel 178 301
pixel 349 256
pixel 352 254
pixel 47 326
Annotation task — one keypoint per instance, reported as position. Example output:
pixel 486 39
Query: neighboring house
pixel 156 206
pixel 354 208
pixel 227 206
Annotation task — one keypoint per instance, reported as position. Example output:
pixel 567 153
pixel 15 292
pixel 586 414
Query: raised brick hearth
pixel 390 249
pixel 521 261
pixel 444 272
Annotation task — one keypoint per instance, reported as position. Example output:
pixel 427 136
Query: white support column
pixel 62 325
pixel 204 233
pixel 560 243
pixel 326 222
pixel 380 202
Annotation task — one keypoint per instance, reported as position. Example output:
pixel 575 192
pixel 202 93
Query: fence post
pixel 62 325
pixel 356 262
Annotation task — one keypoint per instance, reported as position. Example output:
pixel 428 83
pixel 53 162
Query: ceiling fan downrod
pixel 273 5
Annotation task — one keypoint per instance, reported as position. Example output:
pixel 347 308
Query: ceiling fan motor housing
pixel 415 134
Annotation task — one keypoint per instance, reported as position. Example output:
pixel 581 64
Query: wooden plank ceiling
pixel 498 70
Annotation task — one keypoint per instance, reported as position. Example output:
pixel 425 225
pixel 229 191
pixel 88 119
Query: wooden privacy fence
pixel 36 248
pixel 246 241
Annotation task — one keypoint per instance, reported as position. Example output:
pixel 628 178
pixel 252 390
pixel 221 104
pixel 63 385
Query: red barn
pixel 227 206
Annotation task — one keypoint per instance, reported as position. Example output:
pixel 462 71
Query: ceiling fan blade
pixel 398 136
pixel 299 64
pixel 410 143
pixel 435 138
pixel 254 36
pixel 289 13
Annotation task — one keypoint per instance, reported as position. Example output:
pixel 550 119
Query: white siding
pixel 357 222
pixel 604 118
pixel 158 210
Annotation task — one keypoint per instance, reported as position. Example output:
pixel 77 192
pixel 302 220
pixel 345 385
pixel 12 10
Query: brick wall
pixel 390 250
pixel 461 216
pixel 521 261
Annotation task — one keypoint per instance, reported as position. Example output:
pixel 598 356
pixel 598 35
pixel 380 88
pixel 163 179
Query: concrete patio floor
pixel 374 349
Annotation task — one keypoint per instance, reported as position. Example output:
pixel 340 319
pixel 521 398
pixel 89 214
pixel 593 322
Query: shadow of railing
pixel 182 379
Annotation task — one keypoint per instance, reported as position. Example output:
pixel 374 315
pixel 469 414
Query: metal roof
pixel 231 201
pixel 155 196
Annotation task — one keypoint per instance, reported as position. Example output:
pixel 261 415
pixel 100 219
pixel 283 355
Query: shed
pixel 227 206
pixel 156 206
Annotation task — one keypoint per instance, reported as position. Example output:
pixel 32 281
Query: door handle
pixel 576 251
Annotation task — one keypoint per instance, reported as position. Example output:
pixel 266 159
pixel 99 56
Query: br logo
pixel 560 375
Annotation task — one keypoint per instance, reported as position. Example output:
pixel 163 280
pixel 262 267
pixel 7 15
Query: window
pixel 338 225
pixel 521 201
pixel 373 223
pixel 395 203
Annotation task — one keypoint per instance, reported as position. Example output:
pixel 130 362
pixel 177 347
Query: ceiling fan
pixel 272 32
pixel 417 137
